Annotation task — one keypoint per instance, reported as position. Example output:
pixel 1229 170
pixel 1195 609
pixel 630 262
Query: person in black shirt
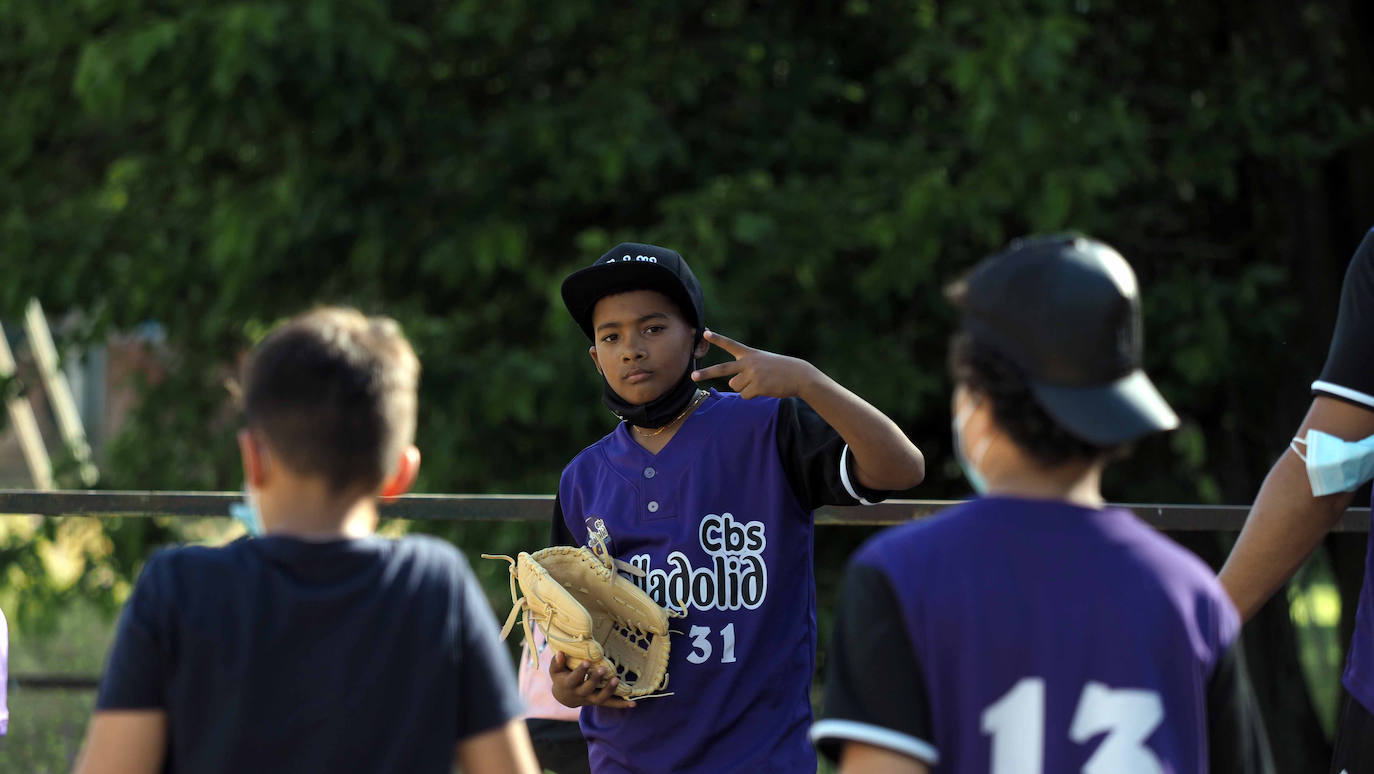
pixel 1289 519
pixel 319 646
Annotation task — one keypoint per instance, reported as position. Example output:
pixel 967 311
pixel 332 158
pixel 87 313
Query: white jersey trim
pixel 844 477
pixel 854 731
pixel 1342 392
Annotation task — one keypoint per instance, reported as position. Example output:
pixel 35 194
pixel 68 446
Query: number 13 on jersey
pixel 1016 723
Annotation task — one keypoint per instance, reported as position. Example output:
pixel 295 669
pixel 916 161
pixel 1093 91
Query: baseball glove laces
pixel 589 613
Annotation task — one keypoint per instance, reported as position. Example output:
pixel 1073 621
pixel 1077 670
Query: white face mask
pixel 970 467
pixel 1335 464
pixel 247 513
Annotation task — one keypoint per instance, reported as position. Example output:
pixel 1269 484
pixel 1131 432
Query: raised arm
pixel 884 458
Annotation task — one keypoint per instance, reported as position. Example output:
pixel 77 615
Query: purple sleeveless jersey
pixel 714 523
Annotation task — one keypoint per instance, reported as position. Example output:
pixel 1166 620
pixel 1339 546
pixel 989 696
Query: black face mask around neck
pixel 657 412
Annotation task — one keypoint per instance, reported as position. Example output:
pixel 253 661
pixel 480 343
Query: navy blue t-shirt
pixel 281 654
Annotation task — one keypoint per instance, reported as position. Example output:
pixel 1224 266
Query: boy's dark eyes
pixel 611 338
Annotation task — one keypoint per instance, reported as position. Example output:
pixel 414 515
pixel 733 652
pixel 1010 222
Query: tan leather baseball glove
pixel 589 613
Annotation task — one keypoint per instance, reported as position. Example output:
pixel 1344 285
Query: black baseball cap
pixel 633 266
pixel 1066 310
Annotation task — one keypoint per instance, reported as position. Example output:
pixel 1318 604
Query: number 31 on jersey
pixel 1016 723
pixel 701 644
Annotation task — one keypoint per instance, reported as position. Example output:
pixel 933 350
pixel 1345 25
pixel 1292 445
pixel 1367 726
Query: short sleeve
pixel 136 673
pixel 875 687
pixel 559 534
pixel 490 691
pixel 1236 741
pixel 1349 371
pixel 817 460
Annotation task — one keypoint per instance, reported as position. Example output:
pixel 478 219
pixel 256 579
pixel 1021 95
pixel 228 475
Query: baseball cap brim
pixel 1106 415
pixel 583 288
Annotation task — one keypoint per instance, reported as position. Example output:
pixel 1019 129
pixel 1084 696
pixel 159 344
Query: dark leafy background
pixel 825 167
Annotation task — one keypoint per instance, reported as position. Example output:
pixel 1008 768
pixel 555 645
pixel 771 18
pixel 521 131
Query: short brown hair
pixel 334 392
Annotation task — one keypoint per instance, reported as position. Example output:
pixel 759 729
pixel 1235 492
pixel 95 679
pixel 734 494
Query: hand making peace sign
pixel 755 372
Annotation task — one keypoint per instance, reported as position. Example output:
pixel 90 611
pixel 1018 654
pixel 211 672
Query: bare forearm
pixel 884 458
pixel 864 759
pixel 123 742
pixel 1283 527
pixel 1287 522
pixel 502 750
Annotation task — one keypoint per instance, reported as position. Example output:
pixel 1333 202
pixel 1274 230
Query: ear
pixel 407 467
pixel 254 459
pixel 699 351
pixel 595 360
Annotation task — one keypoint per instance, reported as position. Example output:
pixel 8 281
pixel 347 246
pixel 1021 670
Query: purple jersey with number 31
pixel 716 523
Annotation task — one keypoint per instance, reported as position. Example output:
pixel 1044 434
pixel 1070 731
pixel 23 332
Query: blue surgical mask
pixel 975 479
pixel 246 512
pixel 1335 464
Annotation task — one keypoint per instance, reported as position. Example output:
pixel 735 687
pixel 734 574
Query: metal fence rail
pixel 531 508
pixel 537 508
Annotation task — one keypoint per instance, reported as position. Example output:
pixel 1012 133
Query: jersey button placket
pixel 653 504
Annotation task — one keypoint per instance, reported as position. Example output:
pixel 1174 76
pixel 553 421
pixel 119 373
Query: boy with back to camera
pixel 318 647
pixel 710 495
pixel 1034 629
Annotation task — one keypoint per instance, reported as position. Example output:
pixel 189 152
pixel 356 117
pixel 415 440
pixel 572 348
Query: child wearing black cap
pixel 709 496
pixel 1034 629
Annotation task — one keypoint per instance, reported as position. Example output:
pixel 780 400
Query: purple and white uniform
pixel 721 521
pixel 1011 636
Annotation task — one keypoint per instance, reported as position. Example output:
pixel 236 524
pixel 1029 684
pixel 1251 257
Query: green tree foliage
pixel 826 168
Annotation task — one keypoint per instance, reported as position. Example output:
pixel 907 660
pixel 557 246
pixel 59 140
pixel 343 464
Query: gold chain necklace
pixel 696 400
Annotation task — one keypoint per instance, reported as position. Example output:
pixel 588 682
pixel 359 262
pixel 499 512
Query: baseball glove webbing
pixel 589 613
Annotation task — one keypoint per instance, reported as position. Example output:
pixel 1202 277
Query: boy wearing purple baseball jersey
pixel 1034 629
pixel 709 496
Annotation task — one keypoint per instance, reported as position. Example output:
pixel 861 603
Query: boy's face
pixel 642 344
